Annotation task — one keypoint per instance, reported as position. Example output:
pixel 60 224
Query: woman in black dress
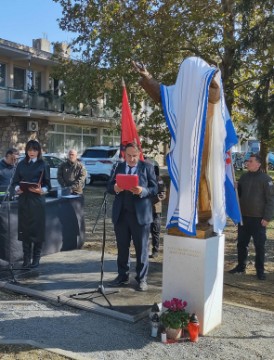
pixel 31 203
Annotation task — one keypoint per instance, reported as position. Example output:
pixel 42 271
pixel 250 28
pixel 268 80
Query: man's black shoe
pixel 237 270
pixel 119 281
pixel 261 276
pixel 26 264
pixel 35 263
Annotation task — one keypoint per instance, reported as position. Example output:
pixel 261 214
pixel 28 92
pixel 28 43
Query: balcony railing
pixel 45 102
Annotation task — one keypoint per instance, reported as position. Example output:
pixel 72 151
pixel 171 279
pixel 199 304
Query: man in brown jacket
pixel 72 174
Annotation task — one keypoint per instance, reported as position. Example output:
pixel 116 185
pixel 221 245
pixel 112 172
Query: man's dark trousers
pixel 251 228
pixel 127 228
pixel 155 230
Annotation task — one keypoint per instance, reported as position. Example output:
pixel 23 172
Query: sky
pixel 24 20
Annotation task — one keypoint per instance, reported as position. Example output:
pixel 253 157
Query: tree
pixel 255 86
pixel 233 34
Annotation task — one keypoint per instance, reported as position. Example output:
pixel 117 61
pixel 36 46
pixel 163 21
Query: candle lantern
pixel 154 310
pixel 155 325
pixel 193 328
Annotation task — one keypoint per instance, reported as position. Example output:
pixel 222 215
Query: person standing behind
pixel 7 165
pixel 155 226
pixel 256 194
pixel 132 216
pixel 72 173
pixel 31 204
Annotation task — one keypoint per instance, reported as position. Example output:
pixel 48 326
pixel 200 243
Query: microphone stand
pixel 105 198
pixel 6 200
pixel 101 289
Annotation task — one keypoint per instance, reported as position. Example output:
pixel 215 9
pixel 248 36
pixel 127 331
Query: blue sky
pixel 24 20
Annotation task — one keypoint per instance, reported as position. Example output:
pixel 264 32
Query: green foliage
pixel 175 320
pixel 237 35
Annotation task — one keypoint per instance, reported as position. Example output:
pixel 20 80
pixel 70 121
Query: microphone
pixel 113 171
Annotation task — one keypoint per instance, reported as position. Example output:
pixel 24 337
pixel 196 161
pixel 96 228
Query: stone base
pixel 193 271
pixel 203 231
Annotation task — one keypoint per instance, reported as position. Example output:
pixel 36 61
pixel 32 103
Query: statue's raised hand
pixel 150 85
pixel 141 69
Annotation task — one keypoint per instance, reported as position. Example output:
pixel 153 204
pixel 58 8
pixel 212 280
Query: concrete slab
pixel 74 278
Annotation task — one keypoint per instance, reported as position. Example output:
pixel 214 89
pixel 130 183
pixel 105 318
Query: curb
pixel 37 345
pixel 231 303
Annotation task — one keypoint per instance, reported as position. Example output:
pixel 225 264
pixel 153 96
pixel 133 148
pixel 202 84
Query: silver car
pixel 98 161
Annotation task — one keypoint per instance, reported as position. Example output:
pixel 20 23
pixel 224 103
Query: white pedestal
pixel 193 271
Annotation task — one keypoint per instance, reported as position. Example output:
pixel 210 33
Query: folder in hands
pixel 24 185
pixel 126 182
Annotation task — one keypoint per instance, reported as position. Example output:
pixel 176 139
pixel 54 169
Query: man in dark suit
pixel 132 216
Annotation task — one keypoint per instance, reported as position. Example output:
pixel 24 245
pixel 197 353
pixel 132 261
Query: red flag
pixel 129 132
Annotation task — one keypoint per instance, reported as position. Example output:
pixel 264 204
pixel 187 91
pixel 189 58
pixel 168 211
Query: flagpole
pixel 121 153
pixel 235 188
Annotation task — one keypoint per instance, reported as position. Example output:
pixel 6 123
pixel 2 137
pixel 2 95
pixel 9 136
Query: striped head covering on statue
pixel 185 107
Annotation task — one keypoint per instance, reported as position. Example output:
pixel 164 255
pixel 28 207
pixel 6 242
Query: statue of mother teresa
pixel 201 132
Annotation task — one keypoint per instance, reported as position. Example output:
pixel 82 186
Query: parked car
pixel 270 159
pixel 53 162
pixel 98 161
pixel 238 160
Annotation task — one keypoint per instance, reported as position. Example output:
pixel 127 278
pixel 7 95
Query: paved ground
pixel 245 333
pixel 74 278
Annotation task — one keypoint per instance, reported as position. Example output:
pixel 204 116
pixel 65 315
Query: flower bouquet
pixel 174 318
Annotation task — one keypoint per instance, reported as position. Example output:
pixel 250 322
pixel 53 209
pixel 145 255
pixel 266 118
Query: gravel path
pixel 244 334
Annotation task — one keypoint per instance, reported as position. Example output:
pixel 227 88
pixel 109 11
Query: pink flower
pixel 166 304
pixel 175 304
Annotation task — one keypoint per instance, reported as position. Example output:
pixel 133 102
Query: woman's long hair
pixel 33 145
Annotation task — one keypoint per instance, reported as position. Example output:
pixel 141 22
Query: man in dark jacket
pixel 256 193
pixel 7 165
pixel 72 174
pixel 132 216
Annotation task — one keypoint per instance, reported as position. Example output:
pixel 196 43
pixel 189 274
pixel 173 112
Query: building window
pixel 73 129
pixel 56 143
pixel 88 141
pixel 2 74
pixel 38 81
pixel 65 137
pixel 110 137
pixel 34 80
pixel 19 78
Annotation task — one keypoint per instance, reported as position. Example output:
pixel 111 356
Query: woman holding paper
pixel 31 182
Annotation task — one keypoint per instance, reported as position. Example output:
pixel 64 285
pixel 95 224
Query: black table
pixel 65 227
